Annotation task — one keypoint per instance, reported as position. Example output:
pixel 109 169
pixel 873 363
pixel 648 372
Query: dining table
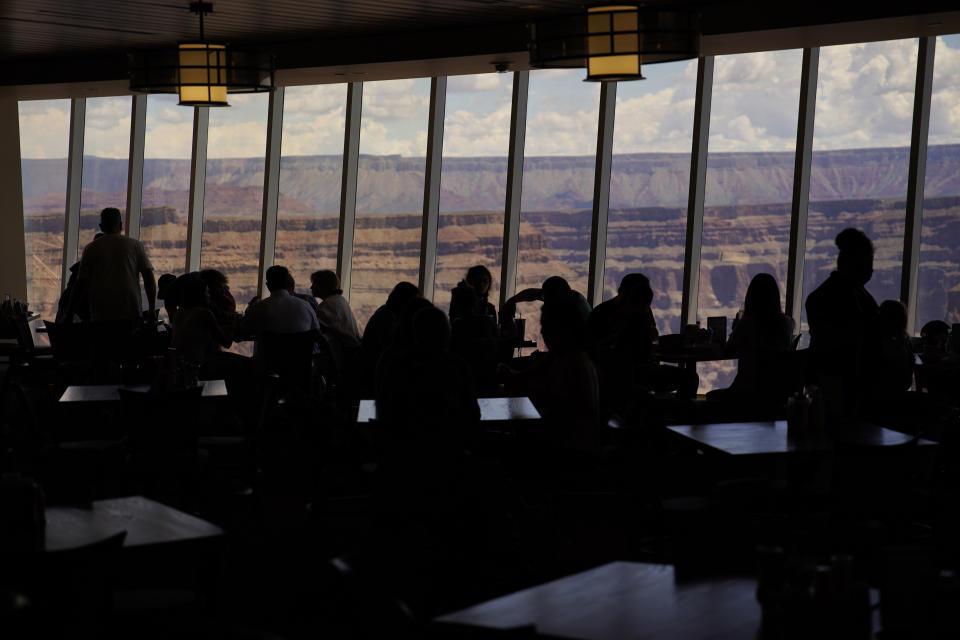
pixel 493 411
pixel 773 438
pixel 88 393
pixel 636 600
pixel 147 523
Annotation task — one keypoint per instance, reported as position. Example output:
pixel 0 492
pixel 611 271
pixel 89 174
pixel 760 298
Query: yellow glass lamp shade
pixel 202 72
pixel 613 43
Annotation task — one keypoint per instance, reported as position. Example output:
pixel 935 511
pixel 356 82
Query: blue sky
pixel 865 99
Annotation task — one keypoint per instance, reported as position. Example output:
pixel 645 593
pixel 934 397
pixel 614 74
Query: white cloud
pixel 479 82
pixel 312 100
pixel 168 140
pixel 320 134
pixel 237 140
pixel 865 95
pixel 376 138
pixel 467 133
pixel 44 128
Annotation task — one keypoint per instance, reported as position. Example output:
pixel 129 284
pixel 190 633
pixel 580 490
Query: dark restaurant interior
pixel 469 318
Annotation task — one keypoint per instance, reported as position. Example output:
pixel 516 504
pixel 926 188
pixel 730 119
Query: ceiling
pixel 78 47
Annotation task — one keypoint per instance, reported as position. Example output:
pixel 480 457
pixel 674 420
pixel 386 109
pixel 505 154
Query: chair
pixel 163 439
pixel 288 356
pixel 69 593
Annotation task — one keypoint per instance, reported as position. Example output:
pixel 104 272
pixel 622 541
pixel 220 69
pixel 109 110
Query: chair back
pixel 69 342
pixel 162 422
pixel 289 356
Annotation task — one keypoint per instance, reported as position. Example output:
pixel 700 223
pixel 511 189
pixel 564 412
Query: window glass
pixel 166 183
pixel 861 150
pixel 558 171
pixel 106 148
pixel 44 143
pixel 233 201
pixel 650 184
pixel 476 136
pixel 311 164
pixel 938 293
pixel 749 186
pixel 393 143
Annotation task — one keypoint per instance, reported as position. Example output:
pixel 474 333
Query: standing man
pixel 110 272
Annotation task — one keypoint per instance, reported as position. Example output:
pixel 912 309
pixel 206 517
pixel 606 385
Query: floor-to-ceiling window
pixel 476 135
pixel 650 183
pixel 233 200
pixel 749 182
pixel 861 149
pixel 558 172
pixel 106 148
pixel 938 291
pixel 393 143
pixel 44 142
pixel 166 183
pixel 311 166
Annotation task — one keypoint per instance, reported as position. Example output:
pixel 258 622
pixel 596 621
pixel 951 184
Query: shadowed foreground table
pixel 146 522
pixel 765 438
pixel 492 410
pixel 625 600
pixel 110 392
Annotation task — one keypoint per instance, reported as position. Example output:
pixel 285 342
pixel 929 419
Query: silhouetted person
pixel 281 311
pixel 334 312
pixel 762 331
pixel 197 335
pixel 629 309
pixel 894 372
pixel 563 383
pixel 843 319
pixel 473 333
pixel 110 272
pixel 480 279
pixel 554 288
pixel 165 293
pixel 428 393
pixel 222 302
pixel 379 332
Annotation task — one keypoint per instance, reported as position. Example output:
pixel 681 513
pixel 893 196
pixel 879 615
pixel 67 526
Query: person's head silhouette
pixel 855 260
pixel 763 296
pixel 324 283
pixel 279 278
pixel 111 221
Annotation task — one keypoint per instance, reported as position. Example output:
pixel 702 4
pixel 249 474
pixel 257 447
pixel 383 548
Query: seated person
pixel 563 383
pixel 281 311
pixel 894 372
pixel 197 335
pixel 379 332
pixel 334 312
pixel 473 334
pixel 621 331
pixel 628 307
pixel 480 279
pixel 553 287
pixel 165 293
pixel 222 303
pixel 428 394
pixel 763 329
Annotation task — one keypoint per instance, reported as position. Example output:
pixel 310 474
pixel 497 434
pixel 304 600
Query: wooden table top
pixel 146 522
pixel 625 600
pixel 110 392
pixel 491 410
pixel 763 438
